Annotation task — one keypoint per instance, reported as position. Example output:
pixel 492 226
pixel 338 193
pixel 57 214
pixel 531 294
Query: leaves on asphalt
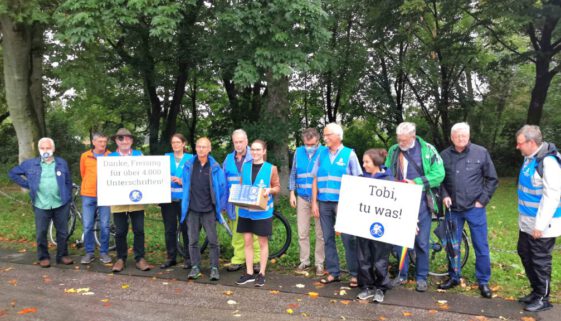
pixel 228 293
pixel 300 286
pixel 13 282
pixel 345 302
pixel 27 310
pixel 406 313
pixel 527 319
pixel 313 295
pixel 232 302
pixel 274 292
pixel 124 286
pixel 289 311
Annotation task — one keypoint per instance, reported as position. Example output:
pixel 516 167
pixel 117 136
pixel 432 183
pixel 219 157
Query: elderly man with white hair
pixel 49 183
pixel 469 184
pixel 332 163
pixel 414 161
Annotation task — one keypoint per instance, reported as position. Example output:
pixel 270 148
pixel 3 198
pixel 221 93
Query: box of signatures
pixel 248 196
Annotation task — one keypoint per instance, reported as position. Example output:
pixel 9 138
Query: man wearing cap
pixel 49 183
pixel 124 140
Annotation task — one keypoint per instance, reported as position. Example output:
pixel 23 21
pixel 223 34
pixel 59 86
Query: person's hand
pixel 266 191
pixel 176 180
pixel 292 199
pixel 410 181
pixel 315 209
pixel 536 234
pixel 447 201
pixel 478 205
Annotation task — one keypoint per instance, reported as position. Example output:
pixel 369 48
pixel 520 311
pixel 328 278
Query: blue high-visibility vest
pixel 529 196
pixel 177 171
pixel 329 174
pixel 263 179
pixel 304 166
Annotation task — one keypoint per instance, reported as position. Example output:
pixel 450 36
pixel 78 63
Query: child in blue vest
pixel 251 222
pixel 373 255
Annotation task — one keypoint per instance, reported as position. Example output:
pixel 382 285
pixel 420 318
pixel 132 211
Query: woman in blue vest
pixel 251 222
pixel 171 212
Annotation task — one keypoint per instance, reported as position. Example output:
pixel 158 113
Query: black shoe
pixel 485 291
pixel 246 278
pixel 167 264
pixel 260 280
pixel 451 283
pixel 527 299
pixel 539 304
pixel 234 267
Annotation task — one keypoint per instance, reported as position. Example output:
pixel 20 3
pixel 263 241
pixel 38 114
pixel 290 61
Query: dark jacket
pixel 31 170
pixel 470 176
pixel 217 187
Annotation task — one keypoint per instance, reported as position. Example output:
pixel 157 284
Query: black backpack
pixel 551 150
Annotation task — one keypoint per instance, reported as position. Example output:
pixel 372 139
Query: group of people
pixel 463 174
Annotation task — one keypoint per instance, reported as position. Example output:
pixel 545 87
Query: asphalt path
pixel 78 292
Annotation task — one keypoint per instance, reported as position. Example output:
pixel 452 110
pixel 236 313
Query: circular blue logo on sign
pixel 135 195
pixel 377 229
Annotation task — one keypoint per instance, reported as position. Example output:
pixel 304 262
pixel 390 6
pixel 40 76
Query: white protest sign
pixel 380 210
pixel 126 180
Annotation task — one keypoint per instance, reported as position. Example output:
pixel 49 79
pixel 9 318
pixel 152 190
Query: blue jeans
pixel 43 218
pixel 327 215
pixel 477 222
pixel 422 240
pixel 89 207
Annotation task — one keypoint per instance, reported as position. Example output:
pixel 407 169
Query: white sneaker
pixel 378 296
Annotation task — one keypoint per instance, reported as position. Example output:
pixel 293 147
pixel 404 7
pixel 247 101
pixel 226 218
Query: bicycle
pixel 76 215
pixel 438 257
pixel 279 241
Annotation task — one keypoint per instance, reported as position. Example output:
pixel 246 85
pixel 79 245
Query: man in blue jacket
pixel 49 183
pixel 204 197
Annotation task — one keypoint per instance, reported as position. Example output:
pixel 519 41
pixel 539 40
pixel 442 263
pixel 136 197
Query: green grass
pixel 508 278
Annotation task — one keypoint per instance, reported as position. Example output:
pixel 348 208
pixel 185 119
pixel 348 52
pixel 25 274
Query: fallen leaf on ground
pixel 293 306
pixel 104 300
pixel 527 319
pixel 440 290
pixel 433 311
pixel 232 302
pixel 13 303
pixel 481 318
pixel 289 311
pixel 106 304
pixel 441 302
pixel 7 269
pixel 345 302
pixel 304 314
pixel 71 290
pixel 165 283
pixel 313 295
pixel 27 310
pixel 510 298
pixel 80 290
pixel 13 282
pixel 342 292
pixel 343 318
pixel 274 291
pixel 496 288
pixel 344 288
pixel 300 286
pixel 228 293
pixel 22 251
pixel 407 313
pixel 124 286
pixel 381 318
pixel 88 293
pixel 443 307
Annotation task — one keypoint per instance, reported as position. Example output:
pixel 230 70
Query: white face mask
pixel 47 154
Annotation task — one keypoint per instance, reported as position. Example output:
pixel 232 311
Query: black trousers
pixel 121 230
pixel 535 255
pixel 373 259
pixel 171 214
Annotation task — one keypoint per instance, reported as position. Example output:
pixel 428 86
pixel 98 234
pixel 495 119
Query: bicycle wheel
pixel 97 232
pixel 71 224
pixel 280 240
pixel 437 253
pixel 182 247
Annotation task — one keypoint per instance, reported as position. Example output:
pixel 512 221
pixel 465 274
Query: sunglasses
pixel 122 137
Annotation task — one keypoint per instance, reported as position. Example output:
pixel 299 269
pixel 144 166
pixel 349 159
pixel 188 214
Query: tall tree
pixel 22 26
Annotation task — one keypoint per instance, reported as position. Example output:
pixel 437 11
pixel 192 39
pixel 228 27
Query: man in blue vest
pixel 414 161
pixel 232 169
pixel 300 186
pixel 539 222
pixel 332 163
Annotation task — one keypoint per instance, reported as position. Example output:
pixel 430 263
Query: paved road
pixel 165 295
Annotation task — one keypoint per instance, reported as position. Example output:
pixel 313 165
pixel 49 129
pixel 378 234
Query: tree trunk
pixel 539 93
pixel 277 114
pixel 23 83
